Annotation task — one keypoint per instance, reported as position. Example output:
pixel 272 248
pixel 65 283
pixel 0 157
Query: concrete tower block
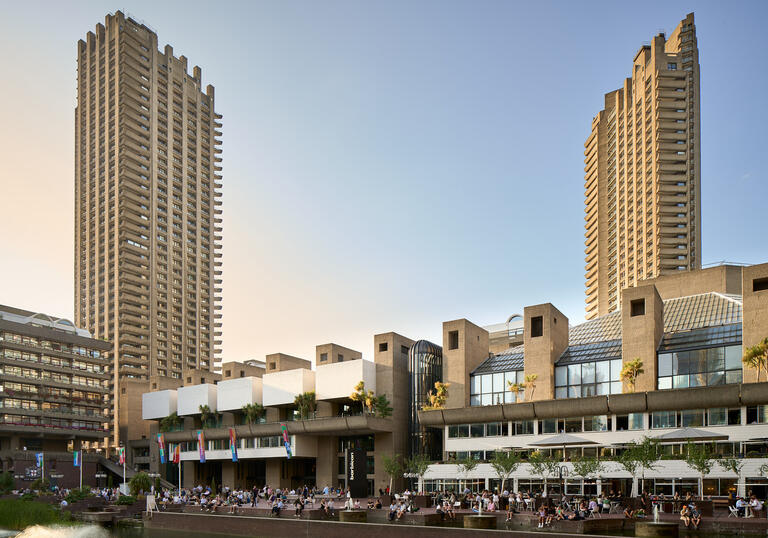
pixel 545 339
pixel 465 347
pixel 642 327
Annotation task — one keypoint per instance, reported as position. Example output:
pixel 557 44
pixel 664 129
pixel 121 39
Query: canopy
pixel 691 434
pixel 563 439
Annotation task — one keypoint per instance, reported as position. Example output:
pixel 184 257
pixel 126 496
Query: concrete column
pixel 642 327
pixel 465 347
pixel 755 314
pixel 545 339
pixel 188 474
pixel 274 472
pixel 325 464
pixel 228 474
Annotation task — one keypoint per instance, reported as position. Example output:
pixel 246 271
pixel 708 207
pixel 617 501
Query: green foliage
pixel 393 466
pixel 381 406
pixel 126 499
pixel 170 423
pixel 731 464
pixel 28 497
pixel 208 418
pixel 504 464
pixel 253 412
pixel 630 371
pixel 586 467
pixel 157 483
pixel 699 458
pixel 306 403
pixel 17 515
pixel 6 483
pixel 639 457
pixel 544 466
pixel 78 494
pixel 41 484
pixel 140 482
pixel 418 464
pixel 109 481
pixel 466 466
pixel 756 357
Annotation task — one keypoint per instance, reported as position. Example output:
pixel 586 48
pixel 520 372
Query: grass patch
pixel 18 515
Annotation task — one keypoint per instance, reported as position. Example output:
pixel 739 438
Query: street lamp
pixel 98 477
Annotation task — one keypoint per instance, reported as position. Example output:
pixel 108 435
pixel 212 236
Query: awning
pixel 563 439
pixel 691 434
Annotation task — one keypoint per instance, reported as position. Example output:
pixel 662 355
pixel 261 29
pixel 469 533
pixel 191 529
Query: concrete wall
pixel 755 316
pixel 471 350
pixel 158 404
pixel 281 388
pixel 280 362
pixel 641 334
pixel 191 398
pixel 541 352
pixel 233 394
pixel 338 380
pixel 335 353
pixel 722 279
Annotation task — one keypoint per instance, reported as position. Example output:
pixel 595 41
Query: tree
pixel 206 416
pixel 586 467
pixel 630 371
pixel 517 388
pixel 544 466
pixel 504 464
pixel 393 466
pixel 139 483
pixel 639 457
pixel 253 412
pixel 363 397
pixel 382 407
pixel 530 383
pixel 418 464
pixel 437 398
pixel 756 357
pixel 306 403
pixel 170 423
pixel 699 458
pixel 6 483
pixel 465 466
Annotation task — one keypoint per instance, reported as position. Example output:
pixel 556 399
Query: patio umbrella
pixel 691 434
pixel 563 440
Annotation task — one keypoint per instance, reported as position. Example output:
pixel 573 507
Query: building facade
pixel 54 383
pixel 690 338
pixel 642 173
pixel 148 208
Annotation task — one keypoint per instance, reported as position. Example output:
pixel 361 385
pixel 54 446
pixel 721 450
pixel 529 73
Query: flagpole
pixel 42 466
pixel 81 468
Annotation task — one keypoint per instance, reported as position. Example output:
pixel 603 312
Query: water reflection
pixel 94 531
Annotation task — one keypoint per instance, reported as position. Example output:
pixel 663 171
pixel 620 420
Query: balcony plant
pixel 518 389
pixel 381 406
pixel 170 423
pixel 363 397
pixel 208 418
pixel 756 357
pixel 437 398
pixel 530 383
pixel 306 404
pixel 253 412
pixel 630 371
pixel 504 464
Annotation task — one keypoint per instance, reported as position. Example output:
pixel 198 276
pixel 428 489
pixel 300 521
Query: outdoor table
pixel 615 508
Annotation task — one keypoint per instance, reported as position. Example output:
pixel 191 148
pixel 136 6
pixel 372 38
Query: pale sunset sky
pixel 388 165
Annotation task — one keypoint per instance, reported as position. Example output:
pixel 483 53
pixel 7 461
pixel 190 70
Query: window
pixel 323 357
pixel 672 67
pixel 637 307
pixel 760 284
pixel 664 419
pixel 722 416
pixel 591 378
pixel 383 346
pixel 599 423
pixel 453 340
pixel 757 414
pixel 632 421
pixel 537 326
pixel 341 358
pixel 700 367
pixel 493 389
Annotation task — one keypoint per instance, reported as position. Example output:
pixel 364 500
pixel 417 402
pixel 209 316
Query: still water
pixel 94 531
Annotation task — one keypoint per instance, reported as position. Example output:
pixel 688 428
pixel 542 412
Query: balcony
pixel 189 399
pixel 158 404
pixel 233 394
pixel 281 388
pixel 337 381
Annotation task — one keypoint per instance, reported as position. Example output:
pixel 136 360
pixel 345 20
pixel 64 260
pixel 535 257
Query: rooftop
pixel 26 317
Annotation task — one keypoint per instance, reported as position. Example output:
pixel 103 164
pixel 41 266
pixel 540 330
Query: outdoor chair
pixel 732 512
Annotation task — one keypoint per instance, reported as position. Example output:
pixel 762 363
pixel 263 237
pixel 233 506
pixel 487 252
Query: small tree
pixel 206 416
pixel 637 457
pixel 544 466
pixel 465 466
pixel 157 484
pixel 699 458
pixel 170 423
pixel 587 467
pixel 756 357
pixel 418 464
pixel 306 403
pixel 363 397
pixel 393 466
pixel 518 389
pixel 253 412
pixel 437 398
pixel 381 406
pixel 139 483
pixel 630 371
pixel 530 383
pixel 504 464
pixel 6 483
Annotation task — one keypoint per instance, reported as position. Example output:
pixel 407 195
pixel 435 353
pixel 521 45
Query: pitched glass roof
pixel 596 351
pixel 511 359
pixel 705 337
pixel 697 311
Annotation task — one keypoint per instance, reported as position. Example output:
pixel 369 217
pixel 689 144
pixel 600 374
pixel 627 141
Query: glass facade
pixel 700 367
pixel 492 389
pixel 425 368
pixel 588 379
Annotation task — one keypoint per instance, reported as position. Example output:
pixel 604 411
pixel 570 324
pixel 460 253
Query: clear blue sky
pixel 387 165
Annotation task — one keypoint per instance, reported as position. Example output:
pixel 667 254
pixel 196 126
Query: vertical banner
pixel 357 473
pixel 233 443
pixel 76 460
pixel 39 459
pixel 176 455
pixel 201 445
pixel 121 455
pixel 286 439
pixel 161 445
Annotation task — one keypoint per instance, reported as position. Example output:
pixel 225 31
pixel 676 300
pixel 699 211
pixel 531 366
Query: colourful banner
pixel 233 443
pixel 161 444
pixel 176 454
pixel 39 459
pixel 76 460
pixel 201 445
pixel 286 439
pixel 121 455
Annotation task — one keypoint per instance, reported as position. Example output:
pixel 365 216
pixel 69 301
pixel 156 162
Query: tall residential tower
pixel 148 208
pixel 642 173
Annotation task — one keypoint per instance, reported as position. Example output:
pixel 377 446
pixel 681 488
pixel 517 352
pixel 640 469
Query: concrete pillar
pixel 326 463
pixel 228 474
pixel 465 347
pixel 545 338
pixel 755 314
pixel 188 474
pixel 274 472
pixel 642 327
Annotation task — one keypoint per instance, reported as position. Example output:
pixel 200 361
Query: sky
pixel 387 165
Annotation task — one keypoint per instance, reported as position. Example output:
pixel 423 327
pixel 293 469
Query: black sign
pixel 356 473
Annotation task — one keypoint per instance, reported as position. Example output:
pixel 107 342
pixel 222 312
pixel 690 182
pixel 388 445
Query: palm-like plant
pixel 170 423
pixel 756 357
pixel 530 383
pixel 517 388
pixel 630 371
pixel 253 412
pixel 437 398
pixel 205 415
pixel 381 406
pixel 306 403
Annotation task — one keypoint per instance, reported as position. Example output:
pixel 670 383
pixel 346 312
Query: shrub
pixel 126 499
pixel 79 494
pixel 140 482
pixel 6 483
pixel 18 515
pixel 41 484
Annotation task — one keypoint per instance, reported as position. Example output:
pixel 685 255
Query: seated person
pixel 392 510
pixel 559 514
pixel 401 509
pixel 629 513
pixel 448 509
pixel 685 515
pixel 695 516
pixel 741 506
pixel 371 504
pixel 378 504
pixel 756 505
pixel 298 505
pixel 277 505
pixel 510 510
pixel 542 516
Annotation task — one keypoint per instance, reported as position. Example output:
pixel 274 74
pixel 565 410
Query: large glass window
pixel 664 419
pixel 493 389
pixel 588 379
pixel 699 367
